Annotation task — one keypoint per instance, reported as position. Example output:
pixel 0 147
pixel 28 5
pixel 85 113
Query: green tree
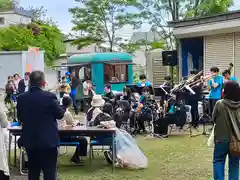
pixel 20 37
pixel 98 20
pixel 159 12
pixel 199 8
pixel 142 44
pixel 40 15
pixel 6 4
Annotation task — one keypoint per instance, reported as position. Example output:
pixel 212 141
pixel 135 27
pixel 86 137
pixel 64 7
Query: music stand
pixel 160 93
pixel 182 97
pixel 134 88
pixel 203 117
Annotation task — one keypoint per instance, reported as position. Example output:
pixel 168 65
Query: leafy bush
pixel 47 37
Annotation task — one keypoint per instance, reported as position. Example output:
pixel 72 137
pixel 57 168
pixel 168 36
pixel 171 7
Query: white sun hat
pixel 97 101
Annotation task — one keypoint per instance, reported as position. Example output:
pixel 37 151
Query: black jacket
pixel 109 97
pixel 21 86
pixel 38 111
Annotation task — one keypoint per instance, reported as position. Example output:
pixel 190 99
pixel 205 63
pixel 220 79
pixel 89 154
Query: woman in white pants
pixel 4 169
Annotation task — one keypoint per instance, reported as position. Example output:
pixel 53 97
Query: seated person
pixel 176 116
pixel 122 113
pixel 143 81
pixel 81 149
pixel 105 115
pixel 95 109
pixel 108 94
pixel 145 95
pixel 127 95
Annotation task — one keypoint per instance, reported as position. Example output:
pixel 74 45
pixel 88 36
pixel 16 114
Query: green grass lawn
pixel 177 158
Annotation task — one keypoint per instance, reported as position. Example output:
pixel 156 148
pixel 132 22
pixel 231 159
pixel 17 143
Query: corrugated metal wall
pixel 237 55
pixel 156 71
pixel 159 71
pixel 219 51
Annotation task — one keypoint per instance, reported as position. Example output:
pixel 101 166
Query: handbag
pixel 234 143
pixel 210 141
pixel 234 146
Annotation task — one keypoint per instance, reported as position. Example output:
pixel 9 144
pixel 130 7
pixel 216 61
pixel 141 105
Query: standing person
pixel 79 96
pixel 64 87
pixel 193 100
pixel 87 86
pixel 16 79
pixel 226 116
pixel 23 84
pixel 216 86
pixel 74 83
pixel 68 77
pixel 227 76
pixel 4 169
pixel 10 91
pixel 38 110
pixel 143 81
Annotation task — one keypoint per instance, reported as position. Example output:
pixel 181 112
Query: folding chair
pixel 99 141
pixel 66 144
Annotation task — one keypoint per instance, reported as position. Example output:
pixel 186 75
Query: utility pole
pixel 177 42
pixel 146 51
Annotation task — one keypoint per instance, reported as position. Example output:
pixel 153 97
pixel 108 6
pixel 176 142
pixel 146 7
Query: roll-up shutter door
pixel 159 71
pixel 237 55
pixel 218 51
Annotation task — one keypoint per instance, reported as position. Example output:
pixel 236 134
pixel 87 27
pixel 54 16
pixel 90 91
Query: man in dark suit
pixel 38 110
pixel 24 83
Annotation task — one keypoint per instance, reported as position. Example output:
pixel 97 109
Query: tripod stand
pixel 203 118
pixel 153 134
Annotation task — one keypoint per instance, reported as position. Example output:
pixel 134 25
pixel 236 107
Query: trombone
pixel 201 80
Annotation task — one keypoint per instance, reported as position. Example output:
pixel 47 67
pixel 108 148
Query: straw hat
pixel 97 101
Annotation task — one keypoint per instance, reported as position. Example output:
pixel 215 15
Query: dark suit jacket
pixel 21 86
pixel 38 111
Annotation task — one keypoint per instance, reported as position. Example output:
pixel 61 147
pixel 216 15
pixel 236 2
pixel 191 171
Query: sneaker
pixel 76 161
pixel 108 157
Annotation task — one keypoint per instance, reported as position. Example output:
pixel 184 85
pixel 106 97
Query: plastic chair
pixel 100 141
pixel 66 144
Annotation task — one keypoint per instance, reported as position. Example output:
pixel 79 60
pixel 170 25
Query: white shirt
pixel 16 83
pixel 67 119
pixel 26 85
pixel 85 88
pixel 95 113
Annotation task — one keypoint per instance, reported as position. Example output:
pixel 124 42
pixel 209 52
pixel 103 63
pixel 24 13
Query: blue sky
pixel 58 10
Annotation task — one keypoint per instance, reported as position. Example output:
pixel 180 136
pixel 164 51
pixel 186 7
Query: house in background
pixel 73 49
pixel 14 15
pixel 139 57
pixel 210 41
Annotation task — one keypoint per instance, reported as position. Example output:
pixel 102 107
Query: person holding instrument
pixel 194 98
pixel 216 85
pixel 227 76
